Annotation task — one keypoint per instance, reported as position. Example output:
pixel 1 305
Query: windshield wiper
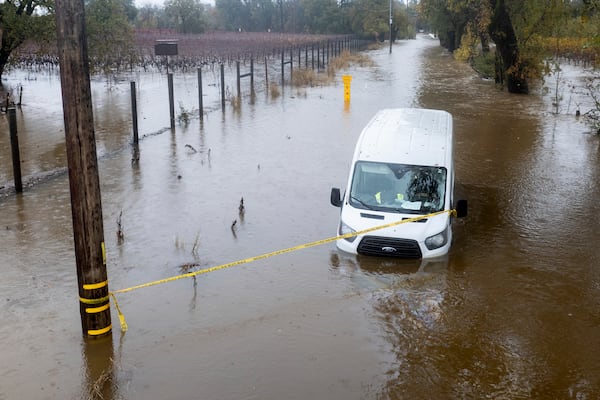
pixel 359 201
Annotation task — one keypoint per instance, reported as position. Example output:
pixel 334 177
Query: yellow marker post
pixel 347 79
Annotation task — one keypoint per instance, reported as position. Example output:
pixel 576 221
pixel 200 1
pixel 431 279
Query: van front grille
pixel 389 247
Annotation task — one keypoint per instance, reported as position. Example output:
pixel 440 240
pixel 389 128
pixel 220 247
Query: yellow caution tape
pixel 121 316
pixel 267 255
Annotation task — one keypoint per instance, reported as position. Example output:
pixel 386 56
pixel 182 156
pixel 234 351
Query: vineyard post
pixel 266 74
pixel 282 67
pixel 200 101
pixel 252 74
pixel 134 118
pixel 237 69
pixel 171 100
pixel 306 57
pixel 14 143
pixel 319 56
pixel 223 87
pixel 240 76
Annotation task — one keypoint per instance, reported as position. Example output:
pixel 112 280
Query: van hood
pixel 361 219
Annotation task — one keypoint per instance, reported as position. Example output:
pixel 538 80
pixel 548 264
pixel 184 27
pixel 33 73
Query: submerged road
pixel 513 313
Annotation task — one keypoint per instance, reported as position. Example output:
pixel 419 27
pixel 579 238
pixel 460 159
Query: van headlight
pixel 345 229
pixel 437 241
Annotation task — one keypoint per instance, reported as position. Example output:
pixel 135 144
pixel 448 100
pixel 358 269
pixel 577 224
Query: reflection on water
pixel 100 369
pixel 510 313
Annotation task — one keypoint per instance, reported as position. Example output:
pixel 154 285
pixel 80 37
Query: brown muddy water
pixel 513 313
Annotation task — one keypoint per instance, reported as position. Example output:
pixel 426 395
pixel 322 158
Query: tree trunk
pixel 485 42
pixel 3 60
pixel 13 34
pixel 503 34
pixel 6 48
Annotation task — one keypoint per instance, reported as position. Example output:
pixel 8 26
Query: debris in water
pixel 241 207
pixel 191 148
pixel 188 267
pixel 120 235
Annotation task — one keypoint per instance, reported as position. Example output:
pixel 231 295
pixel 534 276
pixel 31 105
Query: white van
pixel 402 169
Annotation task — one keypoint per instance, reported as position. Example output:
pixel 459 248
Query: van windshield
pixel 412 189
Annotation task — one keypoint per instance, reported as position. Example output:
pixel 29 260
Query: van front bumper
pixel 383 246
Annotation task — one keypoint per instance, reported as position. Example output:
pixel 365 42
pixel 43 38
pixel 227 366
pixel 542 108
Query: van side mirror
pixel 336 198
pixel 461 208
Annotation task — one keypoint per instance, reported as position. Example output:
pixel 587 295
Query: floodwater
pixel 513 313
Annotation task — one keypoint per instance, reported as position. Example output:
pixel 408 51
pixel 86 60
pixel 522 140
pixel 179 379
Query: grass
pixel 483 63
pixel 274 90
pixel 309 77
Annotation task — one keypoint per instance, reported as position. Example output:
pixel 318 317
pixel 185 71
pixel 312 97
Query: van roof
pixel 407 136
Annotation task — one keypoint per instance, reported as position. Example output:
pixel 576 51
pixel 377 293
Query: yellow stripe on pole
pixel 103 253
pixel 92 286
pixel 95 310
pixel 97 332
pixel 94 301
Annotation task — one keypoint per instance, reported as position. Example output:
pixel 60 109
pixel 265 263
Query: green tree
pixel 21 20
pixel 186 16
pixel 110 35
pixel 510 63
pixel 148 17
pixel 130 10
pixel 152 17
pixel 261 13
pixel 370 18
pixel 322 16
pixel 232 14
pixel 293 16
pixel 402 27
pixel 515 26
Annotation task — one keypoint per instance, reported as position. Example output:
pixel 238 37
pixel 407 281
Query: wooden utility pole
pixel 86 207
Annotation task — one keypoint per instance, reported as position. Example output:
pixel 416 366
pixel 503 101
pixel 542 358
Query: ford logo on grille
pixel 389 249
